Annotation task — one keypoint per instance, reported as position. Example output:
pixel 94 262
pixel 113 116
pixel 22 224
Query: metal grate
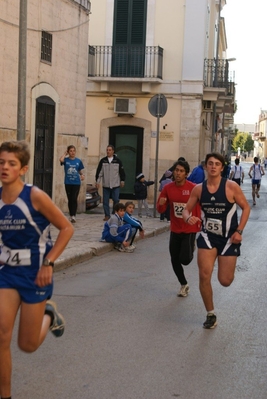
pixel 46 47
pixel 125 61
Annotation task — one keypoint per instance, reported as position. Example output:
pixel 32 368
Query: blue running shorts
pixel 13 277
pixel 222 244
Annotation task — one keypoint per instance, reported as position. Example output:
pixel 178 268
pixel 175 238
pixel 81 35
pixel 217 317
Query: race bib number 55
pixel 15 257
pixel 178 208
pixel 214 226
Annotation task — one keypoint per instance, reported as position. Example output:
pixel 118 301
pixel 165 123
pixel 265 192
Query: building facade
pixel 260 147
pixel 57 56
pixel 139 49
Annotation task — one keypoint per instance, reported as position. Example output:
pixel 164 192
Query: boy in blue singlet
pixel 221 233
pixel 27 258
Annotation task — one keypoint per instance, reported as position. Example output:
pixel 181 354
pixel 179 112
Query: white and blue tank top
pixel 25 233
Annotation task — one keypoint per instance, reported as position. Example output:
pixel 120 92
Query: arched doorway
pixel 44 144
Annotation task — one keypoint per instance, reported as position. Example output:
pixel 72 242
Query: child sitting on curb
pixel 133 222
pixel 115 231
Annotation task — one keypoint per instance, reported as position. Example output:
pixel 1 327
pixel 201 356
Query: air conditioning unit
pixel 207 106
pixel 125 106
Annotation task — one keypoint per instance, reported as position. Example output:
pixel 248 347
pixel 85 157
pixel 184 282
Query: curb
pixel 86 251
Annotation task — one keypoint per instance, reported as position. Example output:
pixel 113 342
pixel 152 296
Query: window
pixel 129 38
pixel 46 47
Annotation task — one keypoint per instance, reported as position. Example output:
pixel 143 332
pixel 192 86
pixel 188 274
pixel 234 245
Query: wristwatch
pixel 239 231
pixel 48 262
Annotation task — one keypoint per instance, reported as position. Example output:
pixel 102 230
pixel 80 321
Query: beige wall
pixel 64 80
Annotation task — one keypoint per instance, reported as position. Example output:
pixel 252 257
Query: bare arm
pixel 61 159
pixel 191 203
pixel 81 174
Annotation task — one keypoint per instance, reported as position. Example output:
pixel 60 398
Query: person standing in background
pixel 73 175
pixel 167 180
pixel 111 171
pixel 198 174
pixel 140 191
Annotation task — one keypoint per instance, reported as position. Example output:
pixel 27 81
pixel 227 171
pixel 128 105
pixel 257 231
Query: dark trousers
pixel 114 194
pixel 181 248
pixel 72 191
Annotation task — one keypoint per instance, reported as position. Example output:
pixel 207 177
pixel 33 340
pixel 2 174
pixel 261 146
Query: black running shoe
pixel 58 325
pixel 211 321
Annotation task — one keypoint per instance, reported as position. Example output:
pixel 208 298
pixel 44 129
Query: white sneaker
pixel 132 246
pixel 183 290
pixel 128 249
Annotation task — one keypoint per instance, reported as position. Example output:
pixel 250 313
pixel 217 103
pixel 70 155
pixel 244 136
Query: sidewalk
pixel 85 243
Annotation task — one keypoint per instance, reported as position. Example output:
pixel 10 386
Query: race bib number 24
pixel 15 257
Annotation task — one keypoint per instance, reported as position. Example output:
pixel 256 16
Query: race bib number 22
pixel 178 208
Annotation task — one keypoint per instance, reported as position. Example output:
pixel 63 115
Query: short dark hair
pixel 119 206
pixel 184 164
pixel 111 146
pixel 19 148
pixel 256 159
pixel 215 155
pixel 237 161
pixel 70 147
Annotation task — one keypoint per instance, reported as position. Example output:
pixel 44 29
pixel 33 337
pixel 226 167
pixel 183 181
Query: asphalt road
pixel 129 336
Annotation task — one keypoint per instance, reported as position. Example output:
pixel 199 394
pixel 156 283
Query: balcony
pixel 217 76
pixel 85 4
pixel 141 63
pixel 219 85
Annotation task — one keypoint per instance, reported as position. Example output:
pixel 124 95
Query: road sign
pixel 157 105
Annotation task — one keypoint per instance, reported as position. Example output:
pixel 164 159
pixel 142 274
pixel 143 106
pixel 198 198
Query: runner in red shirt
pixel 182 237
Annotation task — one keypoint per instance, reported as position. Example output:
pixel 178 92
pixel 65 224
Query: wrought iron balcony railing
pixel 216 74
pixel 125 61
pixel 84 3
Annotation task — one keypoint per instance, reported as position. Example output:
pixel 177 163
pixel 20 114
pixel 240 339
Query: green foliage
pixel 249 145
pixel 243 141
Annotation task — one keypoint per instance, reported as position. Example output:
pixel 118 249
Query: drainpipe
pixel 216 81
pixel 22 71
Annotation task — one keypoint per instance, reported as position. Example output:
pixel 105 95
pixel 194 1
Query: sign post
pixel 157 107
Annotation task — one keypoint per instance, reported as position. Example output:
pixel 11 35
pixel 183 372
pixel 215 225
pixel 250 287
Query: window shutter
pixel 129 37
pixel 138 22
pixel 121 22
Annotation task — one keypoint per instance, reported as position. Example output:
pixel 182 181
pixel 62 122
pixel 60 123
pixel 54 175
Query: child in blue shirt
pixel 115 231
pixel 133 222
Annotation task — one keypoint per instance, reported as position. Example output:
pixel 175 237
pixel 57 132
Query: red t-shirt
pixel 177 197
